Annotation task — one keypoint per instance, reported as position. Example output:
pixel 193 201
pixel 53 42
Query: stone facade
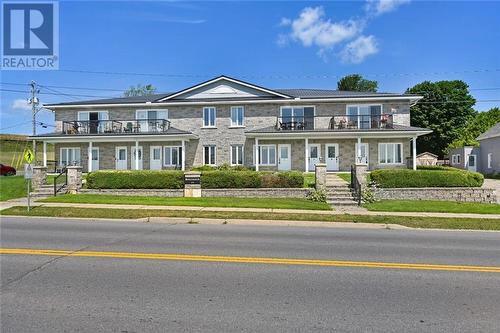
pixel 137 192
pixel 229 192
pixel 461 194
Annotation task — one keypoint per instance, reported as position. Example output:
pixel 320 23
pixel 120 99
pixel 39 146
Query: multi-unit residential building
pixel 225 120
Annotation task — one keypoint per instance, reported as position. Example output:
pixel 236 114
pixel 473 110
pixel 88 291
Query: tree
pixel 445 109
pixel 355 82
pixel 482 122
pixel 140 90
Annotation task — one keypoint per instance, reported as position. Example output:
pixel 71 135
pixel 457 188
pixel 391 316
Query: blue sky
pixel 274 44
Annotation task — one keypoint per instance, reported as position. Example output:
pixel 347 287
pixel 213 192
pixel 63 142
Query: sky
pixel 112 45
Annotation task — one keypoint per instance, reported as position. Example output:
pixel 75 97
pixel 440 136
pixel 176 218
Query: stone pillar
pixel 39 176
pixel 361 173
pixel 74 178
pixel 192 184
pixel 320 171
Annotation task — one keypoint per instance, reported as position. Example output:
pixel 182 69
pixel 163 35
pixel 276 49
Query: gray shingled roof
pixel 330 93
pixel 491 133
pixel 272 129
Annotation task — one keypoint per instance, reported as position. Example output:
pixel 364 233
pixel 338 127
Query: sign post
pixel 28 173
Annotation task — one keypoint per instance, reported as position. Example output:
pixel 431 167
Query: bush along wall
pixel 136 179
pixel 399 178
pixel 251 179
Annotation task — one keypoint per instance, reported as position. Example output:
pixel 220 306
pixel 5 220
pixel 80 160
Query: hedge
pixel 251 179
pixel 437 167
pixel 136 179
pixel 395 178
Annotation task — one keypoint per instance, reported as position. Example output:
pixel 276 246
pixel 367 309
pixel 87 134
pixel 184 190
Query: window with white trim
pixel 172 156
pixel 390 153
pixel 209 115
pixel 364 115
pixel 69 156
pixel 267 155
pixel 490 158
pixel 237 116
pixel 236 155
pixel 209 155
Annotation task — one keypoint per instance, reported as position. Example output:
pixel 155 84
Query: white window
pixel 150 120
pixel 364 116
pixel 297 117
pixel 237 116
pixel 236 155
pixel 172 156
pixel 490 158
pixel 267 154
pixel 209 153
pixel 69 156
pixel 390 153
pixel 209 116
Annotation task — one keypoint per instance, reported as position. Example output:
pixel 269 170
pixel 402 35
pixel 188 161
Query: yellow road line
pixel 251 260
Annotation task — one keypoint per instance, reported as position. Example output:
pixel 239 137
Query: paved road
pixel 62 293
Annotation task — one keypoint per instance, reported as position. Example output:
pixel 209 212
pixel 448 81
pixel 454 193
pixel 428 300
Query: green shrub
pixel 317 195
pixel 230 179
pixel 492 175
pixel 221 167
pixel 437 167
pixel 203 168
pixel 393 178
pixel 288 179
pixel 136 179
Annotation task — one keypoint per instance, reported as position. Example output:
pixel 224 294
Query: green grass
pixel 345 176
pixel 12 149
pixel 415 222
pixel 12 187
pixel 283 203
pixel 309 179
pixel 433 206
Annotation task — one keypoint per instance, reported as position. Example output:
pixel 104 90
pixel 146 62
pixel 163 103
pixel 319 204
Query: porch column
pixel 256 154
pixel 89 168
pixel 45 154
pixel 306 155
pixel 414 142
pixel 358 152
pixel 136 154
pixel 183 156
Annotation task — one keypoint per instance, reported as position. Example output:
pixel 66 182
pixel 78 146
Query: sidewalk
pixel 23 202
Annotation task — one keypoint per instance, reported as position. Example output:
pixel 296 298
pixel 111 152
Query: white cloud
pixel 20 104
pixel 360 48
pixel 312 29
pixel 378 7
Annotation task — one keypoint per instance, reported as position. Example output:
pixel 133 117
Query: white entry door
pixel 132 158
pixel 472 163
pixel 364 158
pixel 332 157
pixel 95 159
pixel 121 158
pixel 314 156
pixel 155 158
pixel 284 157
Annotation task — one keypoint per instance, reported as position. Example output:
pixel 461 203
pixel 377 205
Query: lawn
pixel 12 187
pixel 309 179
pixel 283 203
pixel 345 176
pixel 414 222
pixel 433 206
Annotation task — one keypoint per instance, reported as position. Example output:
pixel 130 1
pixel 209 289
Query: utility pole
pixel 34 104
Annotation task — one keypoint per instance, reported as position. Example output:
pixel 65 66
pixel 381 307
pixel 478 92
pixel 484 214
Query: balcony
pixel 349 122
pixel 115 126
pixel 295 123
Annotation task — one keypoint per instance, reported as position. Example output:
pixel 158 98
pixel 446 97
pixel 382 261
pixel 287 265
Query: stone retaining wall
pixel 256 192
pixel 461 194
pixel 138 192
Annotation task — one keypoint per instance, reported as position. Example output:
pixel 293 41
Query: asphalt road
pixel 67 293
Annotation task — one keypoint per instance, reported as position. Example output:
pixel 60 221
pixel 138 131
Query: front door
pixel 332 157
pixel 363 158
pixel 121 158
pixel 314 156
pixel 472 163
pixel 155 158
pixel 95 159
pixel 284 158
pixel 132 158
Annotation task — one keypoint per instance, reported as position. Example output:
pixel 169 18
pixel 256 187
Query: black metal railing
pixel 361 122
pixel 60 181
pixel 295 123
pixel 115 126
pixel 355 185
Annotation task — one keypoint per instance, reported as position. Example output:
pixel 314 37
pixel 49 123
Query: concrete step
pixel 342 203
pixel 348 196
pixel 337 189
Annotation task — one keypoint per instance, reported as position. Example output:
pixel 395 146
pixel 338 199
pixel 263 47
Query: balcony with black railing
pixel 338 122
pixel 295 123
pixel 115 126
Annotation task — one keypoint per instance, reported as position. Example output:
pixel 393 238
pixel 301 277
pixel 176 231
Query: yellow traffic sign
pixel 28 156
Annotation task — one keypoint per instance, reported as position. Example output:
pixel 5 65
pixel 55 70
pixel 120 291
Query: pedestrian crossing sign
pixel 28 156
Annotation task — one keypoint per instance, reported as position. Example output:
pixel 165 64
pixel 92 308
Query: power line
pixel 62 87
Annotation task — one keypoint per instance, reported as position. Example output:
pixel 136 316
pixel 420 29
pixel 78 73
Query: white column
pixel 183 156
pixel 414 153
pixel 45 154
pixel 306 155
pixel 90 157
pixel 136 155
pixel 256 154
pixel 358 152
